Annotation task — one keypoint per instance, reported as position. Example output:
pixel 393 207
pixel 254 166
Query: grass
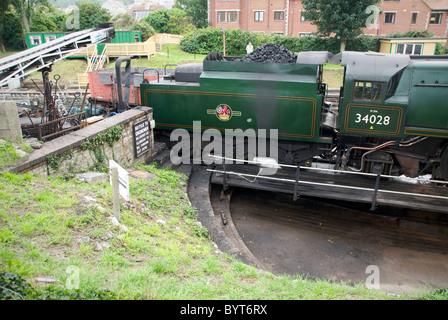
pixel 333 77
pixel 68 69
pixel 9 154
pixel 49 229
pixel 170 54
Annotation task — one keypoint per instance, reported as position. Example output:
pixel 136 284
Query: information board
pixel 141 138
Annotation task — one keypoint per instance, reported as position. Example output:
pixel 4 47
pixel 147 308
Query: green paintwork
pixel 260 96
pixel 42 36
pixel 419 105
pixel 428 103
pixel 284 97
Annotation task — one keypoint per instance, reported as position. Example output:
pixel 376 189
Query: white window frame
pixel 282 15
pixel 227 16
pixel 439 14
pixel 405 46
pixel 394 14
pixel 49 38
pixel 33 40
pixel 258 15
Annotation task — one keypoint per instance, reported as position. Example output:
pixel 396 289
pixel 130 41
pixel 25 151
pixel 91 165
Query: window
pixel 259 16
pixel 35 40
pixel 303 17
pixel 50 38
pixel 136 38
pixel 279 15
pixel 389 17
pixel 409 48
pixel 305 34
pixel 368 91
pixel 414 17
pixel 227 16
pixel 436 18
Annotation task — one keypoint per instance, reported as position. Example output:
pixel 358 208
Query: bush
pixel 204 41
pixel 441 49
pixel 14 287
pixel 13 36
pixel 411 34
pixel 363 43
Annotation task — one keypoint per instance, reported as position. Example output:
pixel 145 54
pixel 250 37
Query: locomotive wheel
pixel 444 164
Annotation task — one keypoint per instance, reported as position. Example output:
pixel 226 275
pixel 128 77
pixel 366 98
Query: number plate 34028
pixel 373 119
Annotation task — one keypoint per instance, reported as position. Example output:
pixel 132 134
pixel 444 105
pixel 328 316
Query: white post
pixel 116 193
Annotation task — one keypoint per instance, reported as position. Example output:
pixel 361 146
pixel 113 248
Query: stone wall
pixel 68 154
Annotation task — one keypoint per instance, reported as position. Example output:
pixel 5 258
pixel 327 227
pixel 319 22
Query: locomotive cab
pixel 393 117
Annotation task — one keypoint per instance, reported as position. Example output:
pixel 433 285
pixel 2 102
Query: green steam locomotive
pixel 391 117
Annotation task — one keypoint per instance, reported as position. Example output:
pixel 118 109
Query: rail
pixel 375 190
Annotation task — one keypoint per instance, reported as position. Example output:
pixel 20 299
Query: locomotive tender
pixel 392 115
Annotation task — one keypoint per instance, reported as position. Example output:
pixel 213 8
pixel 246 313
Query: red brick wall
pixel 292 24
pixel 403 10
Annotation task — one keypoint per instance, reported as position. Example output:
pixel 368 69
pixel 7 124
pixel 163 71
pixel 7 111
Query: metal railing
pixel 297 180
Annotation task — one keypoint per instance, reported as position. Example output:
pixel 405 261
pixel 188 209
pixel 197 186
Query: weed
pixel 201 232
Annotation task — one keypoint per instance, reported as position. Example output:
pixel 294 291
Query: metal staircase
pixel 43 56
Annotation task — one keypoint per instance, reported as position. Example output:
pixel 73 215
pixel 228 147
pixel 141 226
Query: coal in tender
pixel 270 53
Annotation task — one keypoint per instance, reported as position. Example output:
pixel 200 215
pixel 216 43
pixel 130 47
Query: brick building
pixel 287 17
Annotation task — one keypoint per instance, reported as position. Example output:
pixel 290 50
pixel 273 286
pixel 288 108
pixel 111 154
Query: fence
pixel 141 49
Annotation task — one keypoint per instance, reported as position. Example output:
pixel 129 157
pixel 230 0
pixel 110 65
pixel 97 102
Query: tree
pixel 91 14
pixel 159 20
pixel 41 21
pixel 25 9
pixel 343 18
pixel 196 9
pixel 13 31
pixel 175 21
pixel 179 22
pixel 123 21
pixel 3 8
pixel 146 29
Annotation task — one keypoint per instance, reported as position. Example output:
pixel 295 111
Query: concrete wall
pixel 70 157
pixel 9 121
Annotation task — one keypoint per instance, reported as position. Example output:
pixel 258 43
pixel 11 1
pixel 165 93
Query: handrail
pixel 91 60
pixel 332 170
pixel 153 69
pixel 376 190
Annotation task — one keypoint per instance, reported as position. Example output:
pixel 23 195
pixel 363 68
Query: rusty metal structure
pixel 53 118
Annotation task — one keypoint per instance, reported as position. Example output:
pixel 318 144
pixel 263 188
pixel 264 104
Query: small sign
pixel 141 138
pixel 123 179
